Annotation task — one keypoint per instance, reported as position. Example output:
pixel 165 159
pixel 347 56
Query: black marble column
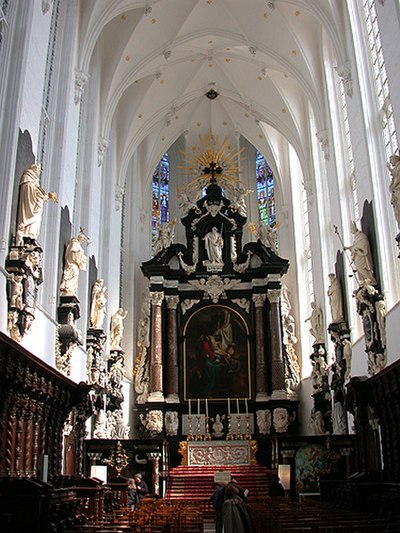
pixel 261 367
pixel 172 381
pixel 277 365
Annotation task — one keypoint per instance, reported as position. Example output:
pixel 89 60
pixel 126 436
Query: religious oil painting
pixel 216 354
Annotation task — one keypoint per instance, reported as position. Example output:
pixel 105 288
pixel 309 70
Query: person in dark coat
pixel 236 516
pixel 217 501
pixel 276 488
pixel 141 487
pixel 131 496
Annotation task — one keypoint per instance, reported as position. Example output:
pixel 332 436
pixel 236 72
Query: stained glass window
pixel 160 195
pixel 265 191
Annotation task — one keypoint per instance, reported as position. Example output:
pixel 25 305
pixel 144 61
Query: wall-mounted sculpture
pixel 69 336
pixel 25 254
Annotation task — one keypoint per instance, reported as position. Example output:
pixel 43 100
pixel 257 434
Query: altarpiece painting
pixel 216 351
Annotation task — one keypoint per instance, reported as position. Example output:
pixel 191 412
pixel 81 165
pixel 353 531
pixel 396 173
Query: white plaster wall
pixel 393 334
pixel 32 93
pixel 40 340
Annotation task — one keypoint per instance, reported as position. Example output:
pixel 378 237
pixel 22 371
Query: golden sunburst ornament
pixel 213 161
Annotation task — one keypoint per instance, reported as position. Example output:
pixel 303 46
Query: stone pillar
pixel 277 365
pixel 172 382
pixel 155 459
pixel 261 368
pixel 156 375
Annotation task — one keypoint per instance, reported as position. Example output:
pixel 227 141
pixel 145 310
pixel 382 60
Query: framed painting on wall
pixel 216 353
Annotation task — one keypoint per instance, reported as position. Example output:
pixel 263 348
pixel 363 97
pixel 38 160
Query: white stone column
pixel 156 370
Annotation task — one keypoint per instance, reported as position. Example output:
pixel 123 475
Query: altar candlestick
pixel 206 407
pixel 198 406
pixel 247 410
pixel 229 406
pixel 190 407
pixel 237 405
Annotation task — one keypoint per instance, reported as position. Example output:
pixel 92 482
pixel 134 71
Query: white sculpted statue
pixel 218 426
pixel 165 237
pixel 214 244
pixel 317 324
pixel 117 328
pixel 316 422
pixel 98 305
pixel 75 261
pixel 347 353
pixel 361 255
pixel 280 419
pixel 153 421
pixel 319 374
pixel 239 204
pixel 16 291
pixel 335 299
pixel 117 427
pixel 116 375
pixel 394 187
pixel 101 426
pixel 380 307
pixel 266 234
pixel 171 423
pixel 30 203
pixel 264 421
pixel 185 203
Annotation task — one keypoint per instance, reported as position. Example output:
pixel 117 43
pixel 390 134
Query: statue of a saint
pixel 165 237
pixel 98 305
pixel 117 328
pixel 361 255
pixel 74 262
pixel 335 299
pixel 317 324
pixel 214 244
pixel 30 203
pixel 394 187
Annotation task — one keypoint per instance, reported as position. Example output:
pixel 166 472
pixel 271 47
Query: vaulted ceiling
pixel 157 60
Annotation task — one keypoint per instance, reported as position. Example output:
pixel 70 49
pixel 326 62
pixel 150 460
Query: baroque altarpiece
pixel 212 363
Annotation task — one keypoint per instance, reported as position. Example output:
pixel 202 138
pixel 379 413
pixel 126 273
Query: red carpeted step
pixel 197 482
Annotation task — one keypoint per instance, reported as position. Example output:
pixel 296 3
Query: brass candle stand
pixel 190 434
pixel 207 435
pixel 198 434
pixel 239 435
pixel 247 435
pixel 229 435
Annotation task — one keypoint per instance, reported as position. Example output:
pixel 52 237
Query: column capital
pixel 156 298
pixel 258 299
pixel 153 456
pixel 172 301
pixel 274 295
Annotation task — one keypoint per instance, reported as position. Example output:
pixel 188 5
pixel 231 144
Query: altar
pixel 219 453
